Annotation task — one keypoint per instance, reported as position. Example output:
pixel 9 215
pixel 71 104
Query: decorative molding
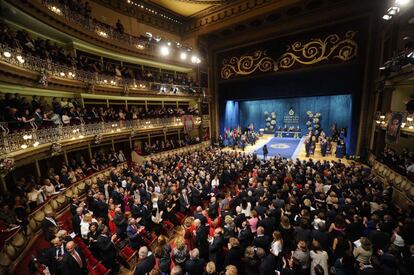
pixel 247 64
pixel 318 50
pixel 333 47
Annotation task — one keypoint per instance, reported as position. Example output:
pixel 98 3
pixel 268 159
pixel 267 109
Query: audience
pixel 68 112
pixel 313 217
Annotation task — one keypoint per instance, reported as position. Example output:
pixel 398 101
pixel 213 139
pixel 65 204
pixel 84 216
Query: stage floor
pixel 293 152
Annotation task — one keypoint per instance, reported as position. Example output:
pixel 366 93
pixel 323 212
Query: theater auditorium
pixel 206 137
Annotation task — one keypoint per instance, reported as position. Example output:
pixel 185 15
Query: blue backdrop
pixel 334 109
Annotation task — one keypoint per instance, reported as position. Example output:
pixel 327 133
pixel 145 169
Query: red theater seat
pixel 101 269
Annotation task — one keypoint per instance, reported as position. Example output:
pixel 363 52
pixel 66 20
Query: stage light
pixel 140 46
pixel 195 59
pixel 402 2
pixel 103 34
pixel 36 144
pixel 62 74
pixel 393 11
pixel 20 59
pixel 164 50
pixel 7 54
pixel 157 38
pixel 105 81
pixel 387 17
pixel 169 44
pixel 183 56
pixel 149 35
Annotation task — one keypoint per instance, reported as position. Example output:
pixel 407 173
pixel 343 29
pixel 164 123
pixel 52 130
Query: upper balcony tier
pixel 76 23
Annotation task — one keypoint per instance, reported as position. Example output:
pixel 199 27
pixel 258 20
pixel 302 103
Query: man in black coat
pixel 76 220
pixel 184 201
pixel 101 209
pixel 146 261
pixel 201 238
pixel 240 217
pixel 55 256
pixel 262 240
pixel 195 265
pixel 73 261
pixel 106 248
pixel 49 226
pixel 216 249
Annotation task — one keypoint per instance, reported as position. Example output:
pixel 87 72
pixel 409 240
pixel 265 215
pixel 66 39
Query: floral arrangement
pixel 314 120
pixel 270 121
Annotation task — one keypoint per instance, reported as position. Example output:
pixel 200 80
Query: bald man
pixel 73 261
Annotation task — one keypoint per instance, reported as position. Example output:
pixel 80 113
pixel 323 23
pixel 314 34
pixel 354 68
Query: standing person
pixel 73 261
pixel 318 258
pixel 107 250
pixel 265 151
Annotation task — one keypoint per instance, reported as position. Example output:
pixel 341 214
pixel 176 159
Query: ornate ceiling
pixel 188 8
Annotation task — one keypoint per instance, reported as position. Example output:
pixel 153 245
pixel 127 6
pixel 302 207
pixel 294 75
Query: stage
pixel 290 148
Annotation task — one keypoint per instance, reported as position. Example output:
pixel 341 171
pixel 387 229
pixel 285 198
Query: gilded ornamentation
pixel 310 53
pixel 247 64
pixel 317 50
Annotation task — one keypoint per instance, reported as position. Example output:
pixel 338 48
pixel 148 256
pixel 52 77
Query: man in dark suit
pixel 49 226
pixel 261 240
pixel 76 220
pixel 146 261
pixel 216 248
pixel 133 230
pixel 213 208
pixel 201 238
pixel 55 256
pixel 101 208
pixel 107 250
pixel 195 265
pixel 73 261
pixel 240 217
pixel 184 201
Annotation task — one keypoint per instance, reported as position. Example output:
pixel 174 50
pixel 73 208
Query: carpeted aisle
pixel 285 147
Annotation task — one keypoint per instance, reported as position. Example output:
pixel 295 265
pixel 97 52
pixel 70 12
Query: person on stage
pixel 324 145
pixel 265 152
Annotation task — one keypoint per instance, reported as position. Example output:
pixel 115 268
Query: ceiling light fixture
pixel 402 2
pixel 387 17
pixel 393 11
pixel 183 56
pixel 164 50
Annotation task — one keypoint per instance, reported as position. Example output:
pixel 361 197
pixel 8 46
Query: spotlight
pixel 165 50
pixel 20 58
pixel 140 46
pixel 7 54
pixel 402 2
pixel 62 74
pixel 195 59
pixel 393 11
pixel 387 17
pixel 183 56
pixel 169 44
pixel 105 81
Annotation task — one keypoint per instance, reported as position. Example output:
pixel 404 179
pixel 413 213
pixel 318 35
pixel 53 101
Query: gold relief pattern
pixel 313 52
pixel 247 64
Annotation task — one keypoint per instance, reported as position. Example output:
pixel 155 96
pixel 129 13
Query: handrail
pixel 46 68
pixel 399 182
pixel 20 140
pixel 54 203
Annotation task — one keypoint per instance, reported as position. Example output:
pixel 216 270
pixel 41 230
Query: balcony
pixel 22 142
pixel 49 71
pixel 88 29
